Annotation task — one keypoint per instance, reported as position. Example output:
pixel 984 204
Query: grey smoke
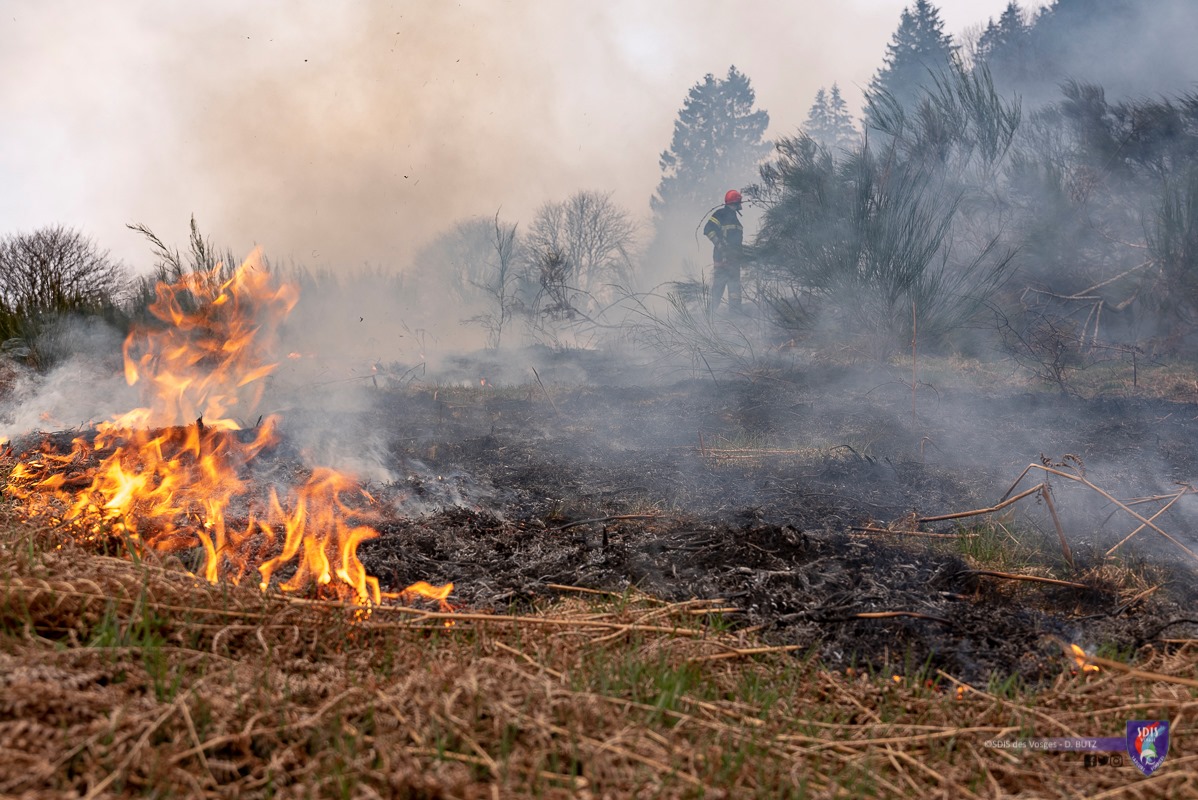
pixel 350 134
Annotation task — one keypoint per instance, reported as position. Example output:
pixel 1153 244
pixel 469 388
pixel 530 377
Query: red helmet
pixel 731 196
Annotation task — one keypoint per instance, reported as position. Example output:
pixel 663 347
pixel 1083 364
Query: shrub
pixel 50 273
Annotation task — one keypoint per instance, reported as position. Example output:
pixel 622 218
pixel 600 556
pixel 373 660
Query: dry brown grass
pixel 137 679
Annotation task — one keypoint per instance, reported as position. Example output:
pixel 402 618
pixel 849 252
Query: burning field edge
pixel 134 677
pixel 805 584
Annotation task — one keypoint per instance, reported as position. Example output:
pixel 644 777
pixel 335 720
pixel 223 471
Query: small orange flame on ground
pixel 1083 660
pixel 174 468
pixel 426 591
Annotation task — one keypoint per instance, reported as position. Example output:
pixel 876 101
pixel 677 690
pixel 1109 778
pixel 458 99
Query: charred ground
pixel 756 490
pixel 750 490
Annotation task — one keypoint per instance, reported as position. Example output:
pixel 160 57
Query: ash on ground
pixel 755 491
pixel 786 496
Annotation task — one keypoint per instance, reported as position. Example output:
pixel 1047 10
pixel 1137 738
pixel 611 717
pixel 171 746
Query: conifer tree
pixel 829 121
pixel 918 50
pixel 817 125
pixel 1005 47
pixel 717 144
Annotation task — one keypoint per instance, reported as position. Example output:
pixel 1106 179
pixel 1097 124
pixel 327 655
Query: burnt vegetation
pixel 1055 243
pixel 950 432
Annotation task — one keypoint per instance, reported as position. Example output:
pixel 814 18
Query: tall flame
pixel 176 466
pixel 211 357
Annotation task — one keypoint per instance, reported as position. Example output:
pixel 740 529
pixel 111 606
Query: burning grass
pixel 831 655
pixel 171 475
pixel 133 678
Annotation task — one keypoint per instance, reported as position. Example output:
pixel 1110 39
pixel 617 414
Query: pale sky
pixel 337 133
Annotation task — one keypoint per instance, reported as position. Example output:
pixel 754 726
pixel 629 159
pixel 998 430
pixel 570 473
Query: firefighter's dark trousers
pixel 725 275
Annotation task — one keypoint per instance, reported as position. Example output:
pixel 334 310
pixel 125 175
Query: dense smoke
pixel 370 151
pixel 355 136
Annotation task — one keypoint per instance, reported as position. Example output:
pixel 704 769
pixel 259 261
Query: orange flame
pixel 211 357
pixel 439 594
pixel 176 467
pixel 1083 659
pixel 316 528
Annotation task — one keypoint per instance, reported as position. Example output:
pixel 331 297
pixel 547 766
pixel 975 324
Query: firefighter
pixel 726 233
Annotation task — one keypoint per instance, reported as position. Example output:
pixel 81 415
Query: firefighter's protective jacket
pixel 724 230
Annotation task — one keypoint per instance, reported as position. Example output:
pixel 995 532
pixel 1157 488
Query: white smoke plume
pixel 345 134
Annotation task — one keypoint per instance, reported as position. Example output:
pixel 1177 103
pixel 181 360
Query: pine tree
pixel 844 131
pixel 717 145
pixel 1004 47
pixel 919 49
pixel 817 125
pixel 829 122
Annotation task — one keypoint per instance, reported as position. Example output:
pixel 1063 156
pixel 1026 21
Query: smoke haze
pixel 341 138
pixel 341 134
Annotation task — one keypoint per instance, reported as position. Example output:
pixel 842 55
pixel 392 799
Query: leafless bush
pixel 56 269
pixel 578 249
pixel 679 327
pixel 497 282
pixel 51 272
pixel 1048 346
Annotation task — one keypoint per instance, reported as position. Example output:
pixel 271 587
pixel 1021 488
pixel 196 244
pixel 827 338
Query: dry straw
pixel 137 679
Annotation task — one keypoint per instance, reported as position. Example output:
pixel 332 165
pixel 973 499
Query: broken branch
pixel 1031 578
pixel 977 512
pixel 1046 493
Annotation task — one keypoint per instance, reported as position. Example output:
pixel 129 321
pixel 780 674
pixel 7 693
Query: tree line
pixel 999 191
pixel 994 197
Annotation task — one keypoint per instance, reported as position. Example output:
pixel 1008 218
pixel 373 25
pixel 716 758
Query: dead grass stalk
pixel 121 679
